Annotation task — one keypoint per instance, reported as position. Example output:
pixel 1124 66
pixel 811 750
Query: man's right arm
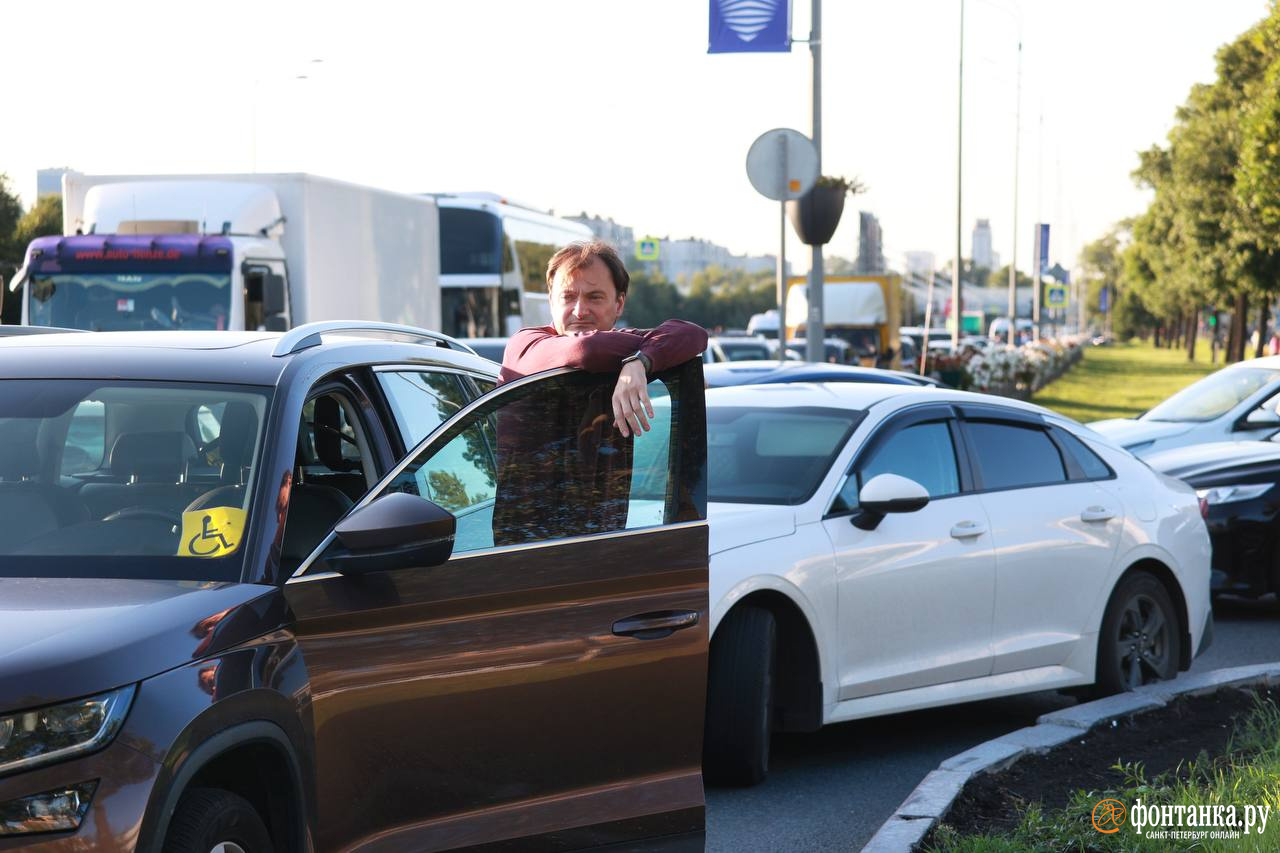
pixel 541 348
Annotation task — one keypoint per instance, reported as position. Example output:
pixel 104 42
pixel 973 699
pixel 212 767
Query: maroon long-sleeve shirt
pixel 542 348
pixel 563 467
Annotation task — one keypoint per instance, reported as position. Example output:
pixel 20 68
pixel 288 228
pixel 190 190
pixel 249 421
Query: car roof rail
pixel 312 334
pixel 15 331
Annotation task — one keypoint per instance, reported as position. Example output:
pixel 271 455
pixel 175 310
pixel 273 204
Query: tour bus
pixel 493 263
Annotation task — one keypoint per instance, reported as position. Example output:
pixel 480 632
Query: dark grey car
pixel 331 591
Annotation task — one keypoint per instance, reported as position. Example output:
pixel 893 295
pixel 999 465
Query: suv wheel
pixel 210 820
pixel 1139 642
pixel 740 698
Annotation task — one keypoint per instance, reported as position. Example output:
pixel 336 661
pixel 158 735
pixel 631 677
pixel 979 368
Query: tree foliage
pixel 715 297
pixel 1210 238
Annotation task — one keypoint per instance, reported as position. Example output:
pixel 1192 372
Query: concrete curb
pixel 933 797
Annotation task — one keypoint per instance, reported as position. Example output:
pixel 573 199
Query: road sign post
pixel 782 164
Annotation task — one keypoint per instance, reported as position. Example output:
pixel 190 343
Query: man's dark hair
pixel 575 256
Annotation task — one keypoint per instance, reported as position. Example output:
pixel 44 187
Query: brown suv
pixel 332 591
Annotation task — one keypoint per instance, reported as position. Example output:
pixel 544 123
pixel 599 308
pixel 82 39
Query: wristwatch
pixel 644 360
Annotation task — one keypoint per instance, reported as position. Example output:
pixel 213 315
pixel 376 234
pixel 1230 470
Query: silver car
pixel 1237 403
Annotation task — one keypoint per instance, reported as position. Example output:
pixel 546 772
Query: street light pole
pixel 957 295
pixel 1013 262
pixel 816 333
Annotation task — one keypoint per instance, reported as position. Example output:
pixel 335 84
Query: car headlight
pixel 1230 494
pixel 59 810
pixel 44 735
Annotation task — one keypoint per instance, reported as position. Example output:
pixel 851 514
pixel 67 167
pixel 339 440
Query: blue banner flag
pixel 1043 241
pixel 750 26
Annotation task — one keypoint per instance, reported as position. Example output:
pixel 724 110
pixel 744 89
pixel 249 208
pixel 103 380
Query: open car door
pixel 545 682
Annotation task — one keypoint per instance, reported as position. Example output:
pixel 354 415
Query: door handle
pixel 967 530
pixel 1097 513
pixel 655 626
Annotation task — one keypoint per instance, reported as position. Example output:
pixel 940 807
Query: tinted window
pixel 1010 456
pixel 469 312
pixel 420 401
pixel 772 456
pixel 470 242
pixel 150 481
pixel 544 462
pixel 921 452
pixel 1093 467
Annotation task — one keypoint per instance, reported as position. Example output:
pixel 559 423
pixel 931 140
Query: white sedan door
pixel 1055 532
pixel 916 593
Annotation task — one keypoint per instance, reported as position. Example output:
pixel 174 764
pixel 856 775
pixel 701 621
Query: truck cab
pixel 161 255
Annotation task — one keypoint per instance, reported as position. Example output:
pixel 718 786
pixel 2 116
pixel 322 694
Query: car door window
pixel 421 400
pixel 1091 466
pixel 544 462
pixel 1011 456
pixel 333 468
pixel 922 452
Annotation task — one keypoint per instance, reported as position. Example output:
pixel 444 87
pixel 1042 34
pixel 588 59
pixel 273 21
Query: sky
pixel 615 108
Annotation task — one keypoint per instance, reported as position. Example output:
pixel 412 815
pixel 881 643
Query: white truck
pixel 232 252
pixel 272 251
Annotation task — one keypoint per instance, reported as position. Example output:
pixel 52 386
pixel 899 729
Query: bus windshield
pixel 104 302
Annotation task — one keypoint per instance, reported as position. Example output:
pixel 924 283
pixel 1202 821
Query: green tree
pixel 728 298
pixel 10 214
pixel 1000 278
pixel 650 300
pixel 43 220
pixel 12 248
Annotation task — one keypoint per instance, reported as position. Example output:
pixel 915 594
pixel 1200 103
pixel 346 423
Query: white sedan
pixel 884 548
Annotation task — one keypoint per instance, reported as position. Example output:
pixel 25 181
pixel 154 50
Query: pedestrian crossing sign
pixel 647 249
pixel 1055 296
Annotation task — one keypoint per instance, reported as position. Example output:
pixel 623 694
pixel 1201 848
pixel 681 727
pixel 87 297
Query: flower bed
pixel 1008 371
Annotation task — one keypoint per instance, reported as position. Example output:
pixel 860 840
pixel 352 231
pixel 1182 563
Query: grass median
pixel 1200 805
pixel 1123 380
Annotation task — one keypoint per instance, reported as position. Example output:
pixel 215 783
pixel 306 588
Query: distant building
pixel 621 237
pixel 49 181
pixel 677 260
pixel 870 245
pixel 981 249
pixel 917 264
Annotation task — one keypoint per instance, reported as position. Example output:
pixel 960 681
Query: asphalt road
pixel 832 789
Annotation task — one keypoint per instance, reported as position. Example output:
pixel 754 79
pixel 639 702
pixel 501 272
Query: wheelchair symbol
pixel 216 542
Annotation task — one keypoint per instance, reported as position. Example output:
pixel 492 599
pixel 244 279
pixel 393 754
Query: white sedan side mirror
pixel 886 493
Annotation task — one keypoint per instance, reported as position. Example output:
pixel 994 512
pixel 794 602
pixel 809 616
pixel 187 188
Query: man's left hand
pixel 631 400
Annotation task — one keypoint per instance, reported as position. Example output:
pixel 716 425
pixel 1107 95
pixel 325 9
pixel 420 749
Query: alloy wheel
pixel 1142 644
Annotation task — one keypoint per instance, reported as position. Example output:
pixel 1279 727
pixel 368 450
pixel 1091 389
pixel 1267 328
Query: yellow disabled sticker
pixel 211 532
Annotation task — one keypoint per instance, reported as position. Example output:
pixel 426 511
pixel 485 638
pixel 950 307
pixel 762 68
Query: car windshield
pixel 1213 396
pixel 141 301
pixel 772 456
pixel 126 479
pixel 746 350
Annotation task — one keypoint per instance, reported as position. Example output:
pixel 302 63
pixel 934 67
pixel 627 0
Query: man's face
pixel 585 300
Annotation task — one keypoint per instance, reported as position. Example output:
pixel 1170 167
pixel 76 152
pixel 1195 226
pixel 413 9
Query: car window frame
pixel 680 460
pixel 1073 463
pixel 893 424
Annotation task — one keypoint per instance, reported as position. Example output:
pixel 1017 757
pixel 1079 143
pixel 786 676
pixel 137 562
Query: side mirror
pixel 396 531
pixel 274 298
pixel 886 493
